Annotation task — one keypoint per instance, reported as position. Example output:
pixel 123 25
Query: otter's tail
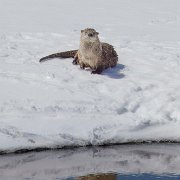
pixel 67 54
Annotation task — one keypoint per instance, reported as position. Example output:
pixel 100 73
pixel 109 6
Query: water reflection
pixel 126 177
pixel 97 176
pixel 88 163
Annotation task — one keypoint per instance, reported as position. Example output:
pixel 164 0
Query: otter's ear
pixel 97 33
pixel 82 31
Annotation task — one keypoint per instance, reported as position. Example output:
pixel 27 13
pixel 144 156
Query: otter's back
pixel 110 56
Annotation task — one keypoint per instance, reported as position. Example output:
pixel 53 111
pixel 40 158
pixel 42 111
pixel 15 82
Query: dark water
pixel 125 162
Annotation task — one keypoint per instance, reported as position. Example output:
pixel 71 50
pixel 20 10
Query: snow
pixel 56 104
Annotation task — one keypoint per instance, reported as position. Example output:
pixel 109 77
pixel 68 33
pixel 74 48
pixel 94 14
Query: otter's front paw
pixel 97 71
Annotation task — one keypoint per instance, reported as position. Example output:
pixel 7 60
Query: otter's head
pixel 89 35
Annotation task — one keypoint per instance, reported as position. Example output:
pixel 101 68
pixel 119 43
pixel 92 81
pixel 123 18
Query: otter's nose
pixel 90 34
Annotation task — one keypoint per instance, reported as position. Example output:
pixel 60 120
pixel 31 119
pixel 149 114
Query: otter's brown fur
pixel 92 53
pixel 67 54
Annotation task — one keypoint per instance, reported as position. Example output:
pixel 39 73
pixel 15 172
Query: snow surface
pixel 56 104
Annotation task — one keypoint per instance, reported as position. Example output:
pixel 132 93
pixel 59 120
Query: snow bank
pixel 55 104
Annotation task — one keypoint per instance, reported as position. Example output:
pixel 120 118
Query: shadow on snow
pixel 115 72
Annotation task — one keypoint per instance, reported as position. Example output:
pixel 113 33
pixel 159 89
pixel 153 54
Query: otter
pixel 91 54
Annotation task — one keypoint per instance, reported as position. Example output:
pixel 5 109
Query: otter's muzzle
pixel 90 35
